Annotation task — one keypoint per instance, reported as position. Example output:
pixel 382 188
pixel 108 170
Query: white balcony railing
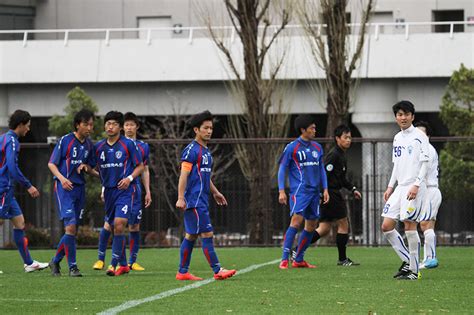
pixel 405 28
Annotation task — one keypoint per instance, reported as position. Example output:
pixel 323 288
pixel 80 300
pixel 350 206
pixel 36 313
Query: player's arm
pixel 391 183
pixel 324 181
pixel 146 184
pixel 12 163
pixel 218 197
pixel 186 168
pixel 66 183
pixel 125 182
pixel 413 191
pixel 350 186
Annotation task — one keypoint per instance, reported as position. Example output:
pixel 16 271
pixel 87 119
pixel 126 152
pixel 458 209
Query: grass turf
pixel 368 288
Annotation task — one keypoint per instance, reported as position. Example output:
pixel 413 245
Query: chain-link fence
pixel 369 168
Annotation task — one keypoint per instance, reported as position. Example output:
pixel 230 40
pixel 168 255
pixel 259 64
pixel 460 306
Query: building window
pixel 448 16
pixel 16 18
pixel 155 22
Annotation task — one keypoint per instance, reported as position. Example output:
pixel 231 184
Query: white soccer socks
pixel 414 249
pixel 396 240
pixel 429 249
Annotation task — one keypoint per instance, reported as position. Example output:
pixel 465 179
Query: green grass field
pixel 368 288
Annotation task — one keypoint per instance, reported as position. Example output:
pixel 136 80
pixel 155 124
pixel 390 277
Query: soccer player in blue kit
pixel 194 187
pixel 70 159
pixel 303 159
pixel 119 163
pixel 131 125
pixel 19 125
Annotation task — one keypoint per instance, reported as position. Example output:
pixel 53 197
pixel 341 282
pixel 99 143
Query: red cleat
pixel 121 270
pixel 283 264
pixel 302 264
pixel 187 276
pixel 224 274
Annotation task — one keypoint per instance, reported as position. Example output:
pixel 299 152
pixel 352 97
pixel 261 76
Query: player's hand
pixel 282 199
pixel 102 196
pixel 220 199
pixel 147 199
pixel 123 183
pixel 67 184
pixel 181 204
pixel 387 193
pixel 357 194
pixel 34 193
pixel 412 192
pixel 83 167
pixel 325 196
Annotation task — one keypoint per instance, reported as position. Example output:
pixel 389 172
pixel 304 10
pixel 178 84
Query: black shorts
pixel 335 209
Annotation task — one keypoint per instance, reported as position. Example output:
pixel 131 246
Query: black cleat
pixel 403 270
pixel 347 262
pixel 74 272
pixel 55 269
pixel 410 275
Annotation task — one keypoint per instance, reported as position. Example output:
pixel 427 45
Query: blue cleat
pixel 430 263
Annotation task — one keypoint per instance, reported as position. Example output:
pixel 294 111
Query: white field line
pixel 130 304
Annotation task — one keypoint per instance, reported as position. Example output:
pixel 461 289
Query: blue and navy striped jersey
pixel 69 153
pixel 116 161
pixel 304 162
pixel 199 181
pixel 9 170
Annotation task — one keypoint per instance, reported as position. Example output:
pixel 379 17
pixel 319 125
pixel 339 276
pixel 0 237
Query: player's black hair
pixel 114 115
pixel 198 119
pixel 84 115
pixel 421 123
pixel 17 118
pixel 303 122
pixel 339 130
pixel 404 106
pixel 129 116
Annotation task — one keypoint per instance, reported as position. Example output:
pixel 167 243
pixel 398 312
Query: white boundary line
pixel 130 304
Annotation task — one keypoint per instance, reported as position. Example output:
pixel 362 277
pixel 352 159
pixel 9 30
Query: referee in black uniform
pixel 335 209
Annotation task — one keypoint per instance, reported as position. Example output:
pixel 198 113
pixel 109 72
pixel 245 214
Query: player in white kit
pixel 431 205
pixel 410 159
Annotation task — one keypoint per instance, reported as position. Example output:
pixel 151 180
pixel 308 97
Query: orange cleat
pixel 121 270
pixel 187 276
pixel 224 274
pixel 302 264
pixel 283 264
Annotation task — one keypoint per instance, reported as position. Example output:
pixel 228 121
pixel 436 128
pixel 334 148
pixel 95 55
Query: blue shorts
pixel 9 207
pixel 197 220
pixel 136 214
pixel 118 203
pixel 70 203
pixel 306 205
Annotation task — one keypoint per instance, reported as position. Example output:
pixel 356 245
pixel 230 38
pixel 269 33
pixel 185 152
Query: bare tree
pixel 260 95
pixel 326 24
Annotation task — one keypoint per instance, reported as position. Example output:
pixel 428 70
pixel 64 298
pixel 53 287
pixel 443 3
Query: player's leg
pixel 21 242
pixel 429 249
pixel 134 230
pixel 289 238
pixel 311 215
pixel 191 226
pixel 342 238
pixel 413 248
pixel 106 230
pixel 122 214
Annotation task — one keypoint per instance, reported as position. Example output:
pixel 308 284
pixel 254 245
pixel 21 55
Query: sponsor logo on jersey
pixel 309 163
pixel 74 162
pixel 110 165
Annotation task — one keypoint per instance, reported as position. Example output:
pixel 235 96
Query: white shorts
pixel 398 207
pixel 431 204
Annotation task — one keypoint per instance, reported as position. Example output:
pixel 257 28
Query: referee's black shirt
pixel 336 168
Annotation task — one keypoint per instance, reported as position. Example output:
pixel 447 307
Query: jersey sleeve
pixel 285 157
pixel 135 154
pixel 322 170
pixel 91 159
pixel 189 155
pixel 146 153
pixel 56 155
pixel 424 148
pixel 12 149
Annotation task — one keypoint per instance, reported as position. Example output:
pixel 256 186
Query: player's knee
pixel 191 237
pixel 207 234
pixel 70 229
pixel 134 228
pixel 387 226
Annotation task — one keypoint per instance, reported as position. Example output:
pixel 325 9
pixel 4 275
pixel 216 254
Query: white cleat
pixel 35 266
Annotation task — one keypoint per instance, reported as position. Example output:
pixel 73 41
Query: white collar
pixel 408 130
